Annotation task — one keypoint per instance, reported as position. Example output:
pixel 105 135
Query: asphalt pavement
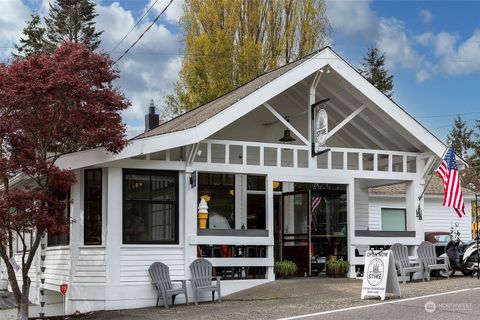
pixel 459 305
pixel 328 298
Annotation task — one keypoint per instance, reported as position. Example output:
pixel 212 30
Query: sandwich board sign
pixel 380 275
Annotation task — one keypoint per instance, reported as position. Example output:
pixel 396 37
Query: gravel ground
pixel 285 298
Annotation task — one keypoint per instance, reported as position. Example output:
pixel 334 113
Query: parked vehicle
pixel 462 257
pixel 439 239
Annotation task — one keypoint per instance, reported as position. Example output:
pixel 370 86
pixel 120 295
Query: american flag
pixel 452 188
pixel 315 204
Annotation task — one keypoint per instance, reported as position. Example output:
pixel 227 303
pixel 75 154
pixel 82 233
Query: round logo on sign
pixel 375 272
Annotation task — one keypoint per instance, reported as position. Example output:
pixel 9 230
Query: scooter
pixel 462 257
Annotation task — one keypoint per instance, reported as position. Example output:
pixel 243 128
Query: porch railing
pixel 298 156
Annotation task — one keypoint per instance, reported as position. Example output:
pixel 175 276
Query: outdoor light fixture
pixel 286 135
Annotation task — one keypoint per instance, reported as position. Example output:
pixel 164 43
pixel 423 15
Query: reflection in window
pixel 220 189
pixel 58 239
pixel 150 211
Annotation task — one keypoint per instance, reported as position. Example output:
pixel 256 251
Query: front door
pixel 296 229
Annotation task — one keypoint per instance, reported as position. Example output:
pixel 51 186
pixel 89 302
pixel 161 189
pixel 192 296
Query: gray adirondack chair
pixel 201 270
pixel 404 266
pixel 428 258
pixel 160 275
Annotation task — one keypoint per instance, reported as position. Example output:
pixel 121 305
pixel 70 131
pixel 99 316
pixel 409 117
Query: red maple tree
pixel 50 105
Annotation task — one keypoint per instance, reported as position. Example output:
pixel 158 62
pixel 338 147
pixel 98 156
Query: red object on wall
pixel 63 288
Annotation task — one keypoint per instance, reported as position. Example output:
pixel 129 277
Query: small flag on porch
pixel 315 204
pixel 452 188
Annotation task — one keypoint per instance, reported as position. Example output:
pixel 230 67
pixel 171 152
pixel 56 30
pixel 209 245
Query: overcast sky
pixel 432 48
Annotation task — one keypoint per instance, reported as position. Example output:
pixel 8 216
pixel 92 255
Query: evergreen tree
pixel 461 137
pixel 474 159
pixel 228 43
pixel 72 20
pixel 33 40
pixel 373 69
pixel 468 148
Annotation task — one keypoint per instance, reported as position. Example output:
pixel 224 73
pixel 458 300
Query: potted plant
pixel 337 267
pixel 285 268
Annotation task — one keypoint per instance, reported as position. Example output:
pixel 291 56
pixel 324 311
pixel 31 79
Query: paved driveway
pixel 287 298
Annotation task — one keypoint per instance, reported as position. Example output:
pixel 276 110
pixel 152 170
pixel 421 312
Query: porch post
pixel 113 240
pixel 76 234
pixel 351 226
pixel 312 99
pixel 270 225
pixel 190 221
pixel 413 190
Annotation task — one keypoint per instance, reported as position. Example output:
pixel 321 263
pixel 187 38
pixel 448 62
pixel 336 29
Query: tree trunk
pixel 22 308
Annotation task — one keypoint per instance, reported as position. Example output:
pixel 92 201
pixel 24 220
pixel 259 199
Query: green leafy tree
pixel 33 40
pixel 72 20
pixel 373 69
pixel 228 43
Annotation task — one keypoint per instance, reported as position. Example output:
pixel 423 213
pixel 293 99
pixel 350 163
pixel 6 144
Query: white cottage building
pixel 270 198
pixel 387 209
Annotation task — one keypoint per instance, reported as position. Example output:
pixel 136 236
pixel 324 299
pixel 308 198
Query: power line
pixel 146 30
pixel 448 115
pixel 133 28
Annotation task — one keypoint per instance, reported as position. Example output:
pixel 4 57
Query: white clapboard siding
pixel 436 217
pixel 361 208
pixel 90 266
pixel 134 263
pixel 32 273
pixel 57 267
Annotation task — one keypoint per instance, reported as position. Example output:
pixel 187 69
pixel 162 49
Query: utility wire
pixel 146 30
pixel 133 28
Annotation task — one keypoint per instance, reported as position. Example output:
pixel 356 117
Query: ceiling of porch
pixel 370 129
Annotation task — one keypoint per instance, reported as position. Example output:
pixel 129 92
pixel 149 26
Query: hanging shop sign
pixel 319 125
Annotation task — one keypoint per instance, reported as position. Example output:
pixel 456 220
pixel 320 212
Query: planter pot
pixel 336 274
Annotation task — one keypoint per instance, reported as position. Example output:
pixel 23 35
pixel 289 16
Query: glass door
pixel 296 229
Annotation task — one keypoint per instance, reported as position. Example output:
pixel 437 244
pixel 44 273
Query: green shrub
pixel 285 268
pixel 337 265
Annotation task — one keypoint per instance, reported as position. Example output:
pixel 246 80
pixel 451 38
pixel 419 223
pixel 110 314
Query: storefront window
pixel 93 207
pixel 57 239
pixel 219 189
pixel 329 221
pixel 150 211
pixel 256 208
pixel 393 219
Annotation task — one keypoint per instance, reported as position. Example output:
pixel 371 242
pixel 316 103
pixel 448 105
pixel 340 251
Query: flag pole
pixel 420 197
pixel 476 238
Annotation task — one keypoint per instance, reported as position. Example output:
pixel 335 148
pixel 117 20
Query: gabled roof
pixel 199 124
pixel 199 115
